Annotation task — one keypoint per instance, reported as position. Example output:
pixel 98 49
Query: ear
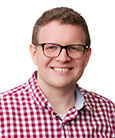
pixel 88 54
pixel 33 52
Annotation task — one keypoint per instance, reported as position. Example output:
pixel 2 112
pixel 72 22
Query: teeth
pixel 61 69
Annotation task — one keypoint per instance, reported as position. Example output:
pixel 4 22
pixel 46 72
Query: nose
pixel 63 56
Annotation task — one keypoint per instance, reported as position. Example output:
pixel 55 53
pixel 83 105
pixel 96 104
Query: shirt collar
pixel 79 99
pixel 35 92
pixel 39 98
pixel 88 105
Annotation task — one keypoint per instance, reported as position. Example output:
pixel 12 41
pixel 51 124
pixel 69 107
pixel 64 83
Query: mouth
pixel 61 69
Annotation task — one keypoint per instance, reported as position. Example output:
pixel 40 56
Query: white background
pixel 17 18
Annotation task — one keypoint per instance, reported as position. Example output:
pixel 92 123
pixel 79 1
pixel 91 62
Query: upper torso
pixel 25 112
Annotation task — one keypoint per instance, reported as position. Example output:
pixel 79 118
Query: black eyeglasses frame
pixel 63 47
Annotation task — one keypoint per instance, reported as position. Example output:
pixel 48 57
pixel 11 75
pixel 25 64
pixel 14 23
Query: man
pixel 51 104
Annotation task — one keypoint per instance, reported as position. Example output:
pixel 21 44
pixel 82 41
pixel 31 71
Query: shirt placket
pixel 72 114
pixel 64 127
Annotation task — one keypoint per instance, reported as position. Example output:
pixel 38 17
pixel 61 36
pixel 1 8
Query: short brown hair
pixel 65 16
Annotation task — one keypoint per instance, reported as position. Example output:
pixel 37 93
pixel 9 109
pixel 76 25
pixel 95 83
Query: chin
pixel 64 84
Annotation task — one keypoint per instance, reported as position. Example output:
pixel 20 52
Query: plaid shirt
pixel 26 113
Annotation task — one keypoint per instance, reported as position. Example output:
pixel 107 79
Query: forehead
pixel 55 32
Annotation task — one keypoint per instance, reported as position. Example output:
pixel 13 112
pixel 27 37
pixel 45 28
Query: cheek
pixel 42 61
pixel 84 60
pixel 80 63
pixel 79 69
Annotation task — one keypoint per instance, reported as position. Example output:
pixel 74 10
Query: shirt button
pixel 62 125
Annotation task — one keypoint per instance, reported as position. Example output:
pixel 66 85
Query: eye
pixel 51 47
pixel 75 48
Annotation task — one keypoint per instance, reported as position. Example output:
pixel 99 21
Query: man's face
pixel 62 71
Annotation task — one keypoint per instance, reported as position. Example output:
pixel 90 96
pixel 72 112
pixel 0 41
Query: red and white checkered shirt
pixel 26 113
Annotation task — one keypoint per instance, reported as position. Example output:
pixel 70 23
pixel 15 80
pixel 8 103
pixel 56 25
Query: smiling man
pixel 64 54
pixel 51 104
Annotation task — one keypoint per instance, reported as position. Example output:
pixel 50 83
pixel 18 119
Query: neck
pixel 61 99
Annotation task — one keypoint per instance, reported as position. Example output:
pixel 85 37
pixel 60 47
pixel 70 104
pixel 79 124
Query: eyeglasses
pixel 53 50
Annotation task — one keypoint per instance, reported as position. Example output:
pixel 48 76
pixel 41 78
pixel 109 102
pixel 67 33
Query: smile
pixel 61 69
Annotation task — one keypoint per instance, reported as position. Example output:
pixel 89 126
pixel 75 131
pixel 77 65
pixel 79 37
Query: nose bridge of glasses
pixel 63 48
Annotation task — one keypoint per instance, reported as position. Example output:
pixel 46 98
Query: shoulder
pixel 13 93
pixel 20 93
pixel 101 109
pixel 97 100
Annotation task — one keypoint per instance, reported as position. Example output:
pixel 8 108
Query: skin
pixel 59 86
